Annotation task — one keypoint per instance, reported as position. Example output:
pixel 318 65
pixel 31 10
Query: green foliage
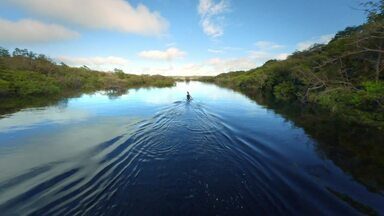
pixel 336 100
pixel 119 73
pixel 374 10
pixel 26 73
pixel 354 146
pixel 371 98
pixel 344 76
pixel 4 52
pixel 26 83
pixel 375 88
pixel 347 32
pixel 206 79
pixel 285 91
pixel 4 87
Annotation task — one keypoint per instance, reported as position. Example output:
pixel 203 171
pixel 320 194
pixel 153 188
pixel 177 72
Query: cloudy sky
pixel 172 37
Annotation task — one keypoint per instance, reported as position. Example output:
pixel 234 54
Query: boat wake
pixel 185 159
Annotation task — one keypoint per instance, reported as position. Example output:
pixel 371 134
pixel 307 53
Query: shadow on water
pixel 185 159
pixel 357 149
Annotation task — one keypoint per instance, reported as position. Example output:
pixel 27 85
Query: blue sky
pixel 183 37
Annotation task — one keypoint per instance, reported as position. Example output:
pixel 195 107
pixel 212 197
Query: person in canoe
pixel 189 97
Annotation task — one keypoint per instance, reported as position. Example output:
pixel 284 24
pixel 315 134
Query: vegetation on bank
pixel 24 73
pixel 345 76
pixel 355 148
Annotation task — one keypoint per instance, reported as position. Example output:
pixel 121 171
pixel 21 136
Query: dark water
pixel 149 152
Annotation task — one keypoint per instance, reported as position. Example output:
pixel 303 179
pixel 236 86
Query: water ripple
pixel 185 159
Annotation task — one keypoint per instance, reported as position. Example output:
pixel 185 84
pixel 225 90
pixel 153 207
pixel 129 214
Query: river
pixel 150 152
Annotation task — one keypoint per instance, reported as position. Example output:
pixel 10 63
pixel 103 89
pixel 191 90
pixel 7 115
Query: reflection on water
pixel 355 148
pixel 30 117
pixel 150 152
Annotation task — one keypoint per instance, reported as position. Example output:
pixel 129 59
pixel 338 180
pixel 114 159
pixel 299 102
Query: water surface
pixel 150 152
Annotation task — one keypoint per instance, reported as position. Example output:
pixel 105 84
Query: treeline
pixel 344 76
pixel 24 73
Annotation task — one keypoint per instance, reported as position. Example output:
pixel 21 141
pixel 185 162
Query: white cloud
pixel 168 54
pixel 259 55
pixel 252 60
pixel 262 56
pixel 98 63
pixel 212 8
pixel 282 56
pixel 179 70
pixel 31 31
pixel 232 48
pixel 324 39
pixel 215 51
pixel 268 45
pixel 211 19
pixel 172 44
pixel 211 29
pixel 117 15
pixel 233 64
pixel 266 51
pixel 213 66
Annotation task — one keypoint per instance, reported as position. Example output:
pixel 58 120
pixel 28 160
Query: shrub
pixel 285 91
pixel 4 87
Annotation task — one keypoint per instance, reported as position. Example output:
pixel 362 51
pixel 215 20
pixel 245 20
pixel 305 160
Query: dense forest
pixel 24 73
pixel 344 76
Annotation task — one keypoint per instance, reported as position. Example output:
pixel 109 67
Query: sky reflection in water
pixel 151 152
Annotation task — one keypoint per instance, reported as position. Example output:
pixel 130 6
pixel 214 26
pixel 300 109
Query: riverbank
pixel 355 147
pixel 27 74
pixel 344 77
pixel 30 80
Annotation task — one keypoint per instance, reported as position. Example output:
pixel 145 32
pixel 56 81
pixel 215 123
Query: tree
pixel 4 52
pixel 20 52
pixel 62 64
pixel 374 10
pixel 371 42
pixel 120 73
pixel 85 67
pixel 347 32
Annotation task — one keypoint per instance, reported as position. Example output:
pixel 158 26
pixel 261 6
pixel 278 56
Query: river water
pixel 150 152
